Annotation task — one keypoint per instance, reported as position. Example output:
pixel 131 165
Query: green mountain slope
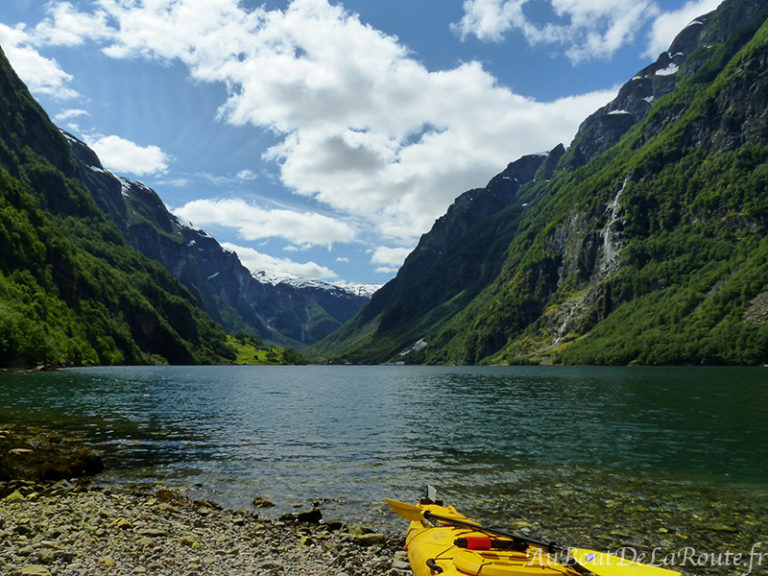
pixel 646 245
pixel 289 314
pixel 72 291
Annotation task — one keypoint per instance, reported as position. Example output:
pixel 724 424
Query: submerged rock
pixel 23 460
pixel 259 502
pixel 310 517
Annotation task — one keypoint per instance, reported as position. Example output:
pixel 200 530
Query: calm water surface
pixel 354 435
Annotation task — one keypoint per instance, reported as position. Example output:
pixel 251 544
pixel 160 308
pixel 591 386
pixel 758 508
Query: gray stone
pixel 370 539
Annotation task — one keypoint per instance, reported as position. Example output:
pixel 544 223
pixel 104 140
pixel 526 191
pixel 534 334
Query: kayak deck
pixel 432 550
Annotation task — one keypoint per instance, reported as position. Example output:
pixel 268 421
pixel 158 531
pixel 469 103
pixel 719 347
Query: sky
pixel 319 139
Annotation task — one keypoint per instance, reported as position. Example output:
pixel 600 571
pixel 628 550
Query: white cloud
pixel 179 182
pixel 126 157
pixel 43 76
pixel 247 175
pixel 65 26
pixel 254 223
pixel 392 257
pixel 490 19
pixel 586 28
pixel 279 268
pixel 65 115
pixel 364 128
pixel 669 25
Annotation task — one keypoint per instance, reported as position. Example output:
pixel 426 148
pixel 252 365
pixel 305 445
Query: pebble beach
pixel 69 528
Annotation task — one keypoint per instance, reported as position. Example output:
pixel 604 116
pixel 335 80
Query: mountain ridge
pixel 95 270
pixel 287 313
pixel 612 257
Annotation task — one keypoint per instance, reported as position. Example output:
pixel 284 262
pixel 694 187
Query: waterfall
pixel 561 331
pixel 610 246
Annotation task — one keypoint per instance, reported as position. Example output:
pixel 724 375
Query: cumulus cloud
pixel 125 157
pixel 279 268
pixel 363 127
pixel 66 26
pixel 43 76
pixel 390 258
pixel 490 19
pixel 669 24
pixel 255 223
pixel 585 28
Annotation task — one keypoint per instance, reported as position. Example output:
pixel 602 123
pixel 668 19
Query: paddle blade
pixel 610 565
pixel 407 511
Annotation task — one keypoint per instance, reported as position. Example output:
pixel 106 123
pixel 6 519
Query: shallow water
pixel 549 446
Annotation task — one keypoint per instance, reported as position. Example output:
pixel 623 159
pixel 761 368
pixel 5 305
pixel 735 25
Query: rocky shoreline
pixel 76 529
pixel 52 524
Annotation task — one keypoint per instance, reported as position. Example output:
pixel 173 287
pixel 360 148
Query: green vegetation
pixel 253 352
pixel 72 292
pixel 682 202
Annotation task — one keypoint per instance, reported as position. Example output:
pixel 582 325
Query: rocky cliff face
pixel 618 249
pixel 225 289
pixel 455 256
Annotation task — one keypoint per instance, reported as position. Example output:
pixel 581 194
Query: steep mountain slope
pixel 279 312
pixel 647 244
pixel 451 264
pixel 71 289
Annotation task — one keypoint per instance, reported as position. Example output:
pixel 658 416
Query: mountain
pixel 72 291
pixel 643 242
pixel 295 314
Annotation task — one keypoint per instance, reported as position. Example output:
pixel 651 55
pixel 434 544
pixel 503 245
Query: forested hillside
pixel 72 291
pixel 645 244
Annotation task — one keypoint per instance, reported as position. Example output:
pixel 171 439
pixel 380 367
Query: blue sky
pixel 319 139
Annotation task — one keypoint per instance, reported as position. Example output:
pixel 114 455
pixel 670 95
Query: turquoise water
pixel 349 436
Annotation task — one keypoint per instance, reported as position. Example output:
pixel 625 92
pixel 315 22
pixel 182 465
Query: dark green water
pixel 561 448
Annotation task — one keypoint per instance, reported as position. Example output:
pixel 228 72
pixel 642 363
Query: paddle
pixel 598 563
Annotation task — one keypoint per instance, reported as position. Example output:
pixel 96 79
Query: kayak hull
pixel 442 541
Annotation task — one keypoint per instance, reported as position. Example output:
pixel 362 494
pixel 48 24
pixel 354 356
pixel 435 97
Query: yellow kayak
pixel 440 540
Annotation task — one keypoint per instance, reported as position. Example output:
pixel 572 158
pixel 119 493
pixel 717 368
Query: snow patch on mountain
pixel 184 223
pixel 125 188
pixel 354 288
pixel 669 70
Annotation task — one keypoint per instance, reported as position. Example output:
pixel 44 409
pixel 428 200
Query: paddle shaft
pixel 550 546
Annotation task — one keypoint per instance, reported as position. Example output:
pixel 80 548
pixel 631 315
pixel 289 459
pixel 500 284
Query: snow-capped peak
pixel 355 288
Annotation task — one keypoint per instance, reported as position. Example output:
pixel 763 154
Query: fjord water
pixel 349 436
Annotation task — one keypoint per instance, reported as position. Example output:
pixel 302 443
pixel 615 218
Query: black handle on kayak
pixel 549 546
pixel 432 565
